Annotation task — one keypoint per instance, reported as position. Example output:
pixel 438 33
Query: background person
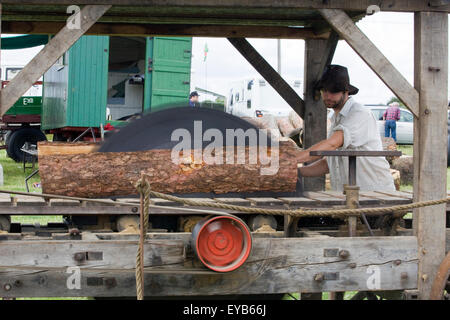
pixel 193 99
pixel 391 115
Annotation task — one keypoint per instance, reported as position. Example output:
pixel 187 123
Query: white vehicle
pixel 405 128
pixel 255 97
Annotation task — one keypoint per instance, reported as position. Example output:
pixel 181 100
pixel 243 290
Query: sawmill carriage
pixel 263 234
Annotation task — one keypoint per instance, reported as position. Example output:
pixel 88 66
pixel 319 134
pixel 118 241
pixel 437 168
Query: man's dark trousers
pixel 390 128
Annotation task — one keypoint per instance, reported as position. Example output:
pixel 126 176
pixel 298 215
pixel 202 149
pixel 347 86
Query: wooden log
pixel 285 126
pixel 115 173
pixel 46 148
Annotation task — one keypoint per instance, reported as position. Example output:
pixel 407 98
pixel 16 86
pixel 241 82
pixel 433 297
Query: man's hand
pixel 332 143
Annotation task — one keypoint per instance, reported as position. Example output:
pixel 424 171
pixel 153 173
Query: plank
pixel 384 198
pixel 430 140
pixel 298 201
pixel 48 56
pixel 362 5
pixel 274 266
pixel 373 57
pixel 338 194
pixel 324 198
pixel 180 30
pixel 234 201
pixel 265 201
pixel 269 74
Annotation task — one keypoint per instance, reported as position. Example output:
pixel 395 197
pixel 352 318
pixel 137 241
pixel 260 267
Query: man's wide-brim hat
pixel 335 79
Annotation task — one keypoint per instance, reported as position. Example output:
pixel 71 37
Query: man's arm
pixel 332 143
pixel 316 169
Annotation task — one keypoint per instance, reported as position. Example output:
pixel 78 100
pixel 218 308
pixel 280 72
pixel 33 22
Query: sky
pixel 391 32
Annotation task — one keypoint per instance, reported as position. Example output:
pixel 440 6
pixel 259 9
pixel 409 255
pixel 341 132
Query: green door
pixel 168 72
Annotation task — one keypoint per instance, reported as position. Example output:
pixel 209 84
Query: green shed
pixel 104 78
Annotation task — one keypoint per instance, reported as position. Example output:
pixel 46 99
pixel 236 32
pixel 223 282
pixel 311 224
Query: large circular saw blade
pixel 157 130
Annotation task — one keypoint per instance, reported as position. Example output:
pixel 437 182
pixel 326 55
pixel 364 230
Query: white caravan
pixel 255 97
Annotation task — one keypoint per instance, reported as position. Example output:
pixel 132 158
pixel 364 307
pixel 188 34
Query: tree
pixel 395 99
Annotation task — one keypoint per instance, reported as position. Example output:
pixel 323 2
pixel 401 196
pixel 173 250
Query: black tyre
pixel 7 137
pixel 18 139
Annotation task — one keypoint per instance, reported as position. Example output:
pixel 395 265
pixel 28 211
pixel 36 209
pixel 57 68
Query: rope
pixel 301 212
pixel 144 189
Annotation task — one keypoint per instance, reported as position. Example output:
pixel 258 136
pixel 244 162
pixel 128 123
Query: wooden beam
pixel 185 30
pixel 318 53
pixel 48 56
pixel 360 5
pixel 430 141
pixel 374 58
pixel 276 265
pixel 270 74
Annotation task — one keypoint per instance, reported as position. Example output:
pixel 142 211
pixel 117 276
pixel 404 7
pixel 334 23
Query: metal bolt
pixel 404 275
pixel 79 256
pixel 344 254
pixel 7 287
pixel 397 262
pixel 110 282
pixel 318 277
pixel 134 209
pixel 352 265
pixel 427 111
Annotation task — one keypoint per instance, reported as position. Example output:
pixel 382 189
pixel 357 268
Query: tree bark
pixel 106 174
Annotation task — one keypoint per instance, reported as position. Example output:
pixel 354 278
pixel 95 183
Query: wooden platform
pixel 47 263
pixel 27 205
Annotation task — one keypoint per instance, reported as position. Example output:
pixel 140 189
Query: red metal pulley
pixel 222 243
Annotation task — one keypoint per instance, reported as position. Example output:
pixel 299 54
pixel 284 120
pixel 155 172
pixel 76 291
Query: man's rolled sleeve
pixel 347 135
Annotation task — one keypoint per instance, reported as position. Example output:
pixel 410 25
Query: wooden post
pixel 270 74
pixel 430 141
pixel 318 53
pixel 48 56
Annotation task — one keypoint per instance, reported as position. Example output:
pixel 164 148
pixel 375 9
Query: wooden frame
pixel 107 267
pixel 419 255
pixel 361 5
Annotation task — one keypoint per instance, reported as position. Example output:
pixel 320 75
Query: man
pixel 353 127
pixel 193 99
pixel 391 115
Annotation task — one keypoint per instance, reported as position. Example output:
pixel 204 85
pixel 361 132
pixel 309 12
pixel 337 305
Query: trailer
pixel 302 255
pixel 81 93
pixel 123 76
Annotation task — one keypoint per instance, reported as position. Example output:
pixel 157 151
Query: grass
pixel 14 180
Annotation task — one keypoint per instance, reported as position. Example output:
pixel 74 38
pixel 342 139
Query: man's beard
pixel 338 104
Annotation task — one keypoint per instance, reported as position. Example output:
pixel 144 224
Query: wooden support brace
pixel 374 58
pixel 430 141
pixel 270 74
pixel 48 56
